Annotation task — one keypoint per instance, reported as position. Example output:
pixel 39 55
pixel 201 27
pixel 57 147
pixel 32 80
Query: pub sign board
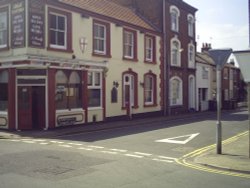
pixel 36 23
pixel 18 23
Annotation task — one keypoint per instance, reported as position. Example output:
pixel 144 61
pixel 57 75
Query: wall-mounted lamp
pixel 115 84
pixel 83 42
pixel 142 84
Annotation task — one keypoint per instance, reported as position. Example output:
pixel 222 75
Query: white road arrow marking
pixel 179 139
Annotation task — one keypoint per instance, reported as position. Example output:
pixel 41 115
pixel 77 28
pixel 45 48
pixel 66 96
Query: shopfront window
pixel 4 91
pixel 68 91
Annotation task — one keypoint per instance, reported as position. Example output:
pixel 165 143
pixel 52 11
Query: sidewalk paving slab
pixel 234 157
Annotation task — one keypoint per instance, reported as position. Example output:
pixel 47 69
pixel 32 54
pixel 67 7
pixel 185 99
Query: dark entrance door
pixel 31 107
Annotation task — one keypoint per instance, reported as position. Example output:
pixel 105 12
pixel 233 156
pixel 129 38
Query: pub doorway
pixel 31 107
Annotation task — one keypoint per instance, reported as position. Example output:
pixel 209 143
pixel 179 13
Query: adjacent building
pixel 176 20
pixel 231 83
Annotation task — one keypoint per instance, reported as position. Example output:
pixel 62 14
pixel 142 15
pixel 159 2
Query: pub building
pixel 66 62
pixel 41 88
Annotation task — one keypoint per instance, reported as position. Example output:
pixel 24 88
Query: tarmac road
pixel 138 155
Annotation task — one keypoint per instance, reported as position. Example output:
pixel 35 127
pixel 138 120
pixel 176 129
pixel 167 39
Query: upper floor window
pixel 101 36
pixel 191 56
pixel 59 30
pixel 149 49
pixel 175 53
pixel 129 44
pixel 205 71
pixel 191 22
pixel 3 28
pixel 175 14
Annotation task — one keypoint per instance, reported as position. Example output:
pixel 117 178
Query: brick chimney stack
pixel 206 47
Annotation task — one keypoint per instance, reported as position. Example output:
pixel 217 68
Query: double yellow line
pixel 185 160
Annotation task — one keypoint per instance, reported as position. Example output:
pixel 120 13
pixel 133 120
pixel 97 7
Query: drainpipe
pixel 165 66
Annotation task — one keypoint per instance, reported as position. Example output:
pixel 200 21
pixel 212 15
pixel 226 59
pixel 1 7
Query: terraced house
pixel 67 62
pixel 176 21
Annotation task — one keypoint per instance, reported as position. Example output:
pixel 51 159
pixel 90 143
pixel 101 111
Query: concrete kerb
pixel 101 126
pixel 205 159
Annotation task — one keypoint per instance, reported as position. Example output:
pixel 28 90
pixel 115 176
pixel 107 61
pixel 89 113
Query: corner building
pixel 65 62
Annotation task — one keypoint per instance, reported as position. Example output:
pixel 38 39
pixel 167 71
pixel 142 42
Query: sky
pixel 223 23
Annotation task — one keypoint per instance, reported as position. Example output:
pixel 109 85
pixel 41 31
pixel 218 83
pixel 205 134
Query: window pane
pixel 61 23
pixel 3 97
pixel 61 90
pixel 3 28
pixel 61 39
pixel 97 79
pixel 75 96
pixel 94 97
pixel 90 78
pixel 52 37
pixel 53 22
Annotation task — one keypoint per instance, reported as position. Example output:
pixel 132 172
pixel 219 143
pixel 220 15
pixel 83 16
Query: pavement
pixel 235 150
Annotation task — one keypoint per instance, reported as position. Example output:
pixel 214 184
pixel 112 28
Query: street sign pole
pixel 220 57
pixel 248 93
pixel 219 131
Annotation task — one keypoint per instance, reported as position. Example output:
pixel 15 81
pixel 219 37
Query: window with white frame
pixel 190 25
pixel 149 89
pixel 58 31
pixel 100 33
pixel 149 49
pixel 176 91
pixel 3 29
pixel 191 55
pixel 205 73
pixel 175 14
pixel 175 53
pixel 129 44
pixel 94 89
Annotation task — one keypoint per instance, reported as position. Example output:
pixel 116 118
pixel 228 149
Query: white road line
pixel 87 149
pixel 44 143
pixel 169 158
pixel 29 142
pixel 26 139
pixel 143 154
pixel 119 150
pixel 65 146
pixel 109 152
pixel 15 140
pixel 39 140
pixel 135 156
pixel 162 160
pixel 75 144
pixel 56 142
pixel 96 147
